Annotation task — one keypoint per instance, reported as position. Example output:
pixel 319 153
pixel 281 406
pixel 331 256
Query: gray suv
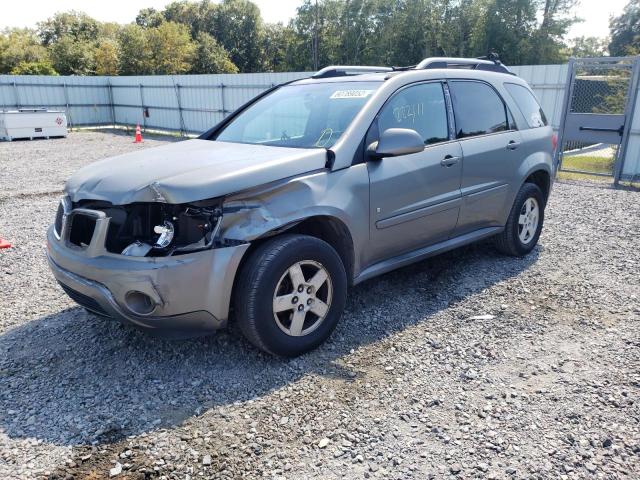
pixel 311 187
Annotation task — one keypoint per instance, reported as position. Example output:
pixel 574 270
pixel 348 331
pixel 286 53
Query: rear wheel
pixel 290 294
pixel 524 224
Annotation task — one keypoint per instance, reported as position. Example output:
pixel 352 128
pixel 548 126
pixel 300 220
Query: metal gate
pixel 596 116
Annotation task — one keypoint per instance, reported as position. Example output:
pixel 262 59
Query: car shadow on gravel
pixel 72 378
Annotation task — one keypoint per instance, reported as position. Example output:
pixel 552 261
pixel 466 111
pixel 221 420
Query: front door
pixel 415 198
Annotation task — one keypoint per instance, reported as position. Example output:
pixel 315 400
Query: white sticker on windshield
pixel 351 93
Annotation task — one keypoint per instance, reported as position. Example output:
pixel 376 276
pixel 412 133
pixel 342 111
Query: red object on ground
pixel 138 135
pixel 4 243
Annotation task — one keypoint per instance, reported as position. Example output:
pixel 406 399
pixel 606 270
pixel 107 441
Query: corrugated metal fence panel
pixel 87 98
pixel 548 83
pixel 155 93
pixel 204 100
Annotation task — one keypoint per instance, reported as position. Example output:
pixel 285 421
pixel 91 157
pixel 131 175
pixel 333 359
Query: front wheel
pixel 290 294
pixel 524 224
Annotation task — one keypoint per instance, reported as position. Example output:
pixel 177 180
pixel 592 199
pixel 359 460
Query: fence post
pixel 222 107
pixel 113 108
pixel 66 101
pixel 15 91
pixel 144 118
pixel 632 94
pixel 566 105
pixel 176 87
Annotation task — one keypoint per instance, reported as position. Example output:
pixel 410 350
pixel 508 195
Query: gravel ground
pixel 469 365
pixel 55 160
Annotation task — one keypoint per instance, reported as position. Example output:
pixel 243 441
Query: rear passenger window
pixel 420 108
pixel 527 104
pixel 478 109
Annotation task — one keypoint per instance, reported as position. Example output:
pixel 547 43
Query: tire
pixel 270 272
pixel 510 241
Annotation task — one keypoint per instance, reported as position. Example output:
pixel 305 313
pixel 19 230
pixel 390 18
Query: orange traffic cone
pixel 4 243
pixel 138 134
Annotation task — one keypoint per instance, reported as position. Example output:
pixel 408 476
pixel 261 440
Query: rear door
pixel 492 153
pixel 415 198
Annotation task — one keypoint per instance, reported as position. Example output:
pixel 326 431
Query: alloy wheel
pixel 528 220
pixel 302 298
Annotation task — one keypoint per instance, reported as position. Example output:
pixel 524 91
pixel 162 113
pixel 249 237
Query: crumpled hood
pixel 188 171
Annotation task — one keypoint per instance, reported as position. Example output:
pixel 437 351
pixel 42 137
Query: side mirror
pixel 395 142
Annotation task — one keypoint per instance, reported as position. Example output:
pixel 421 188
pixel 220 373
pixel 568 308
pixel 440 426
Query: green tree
pixel 203 36
pixel 238 27
pixel 43 67
pixel 548 40
pixel 184 12
pixel 585 47
pixel 134 51
pixel 506 27
pixel 106 57
pixel 276 42
pixel 70 38
pixel 625 31
pixel 211 57
pixel 20 46
pixel 149 18
pixel 73 24
pixel 70 56
pixel 108 31
pixel 405 32
pixel 170 49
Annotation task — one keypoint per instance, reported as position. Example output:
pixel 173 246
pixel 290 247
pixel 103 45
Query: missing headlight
pixel 197 228
pixel 160 229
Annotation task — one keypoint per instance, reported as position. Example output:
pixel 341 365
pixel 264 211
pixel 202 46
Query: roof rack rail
pixel 344 70
pixel 490 63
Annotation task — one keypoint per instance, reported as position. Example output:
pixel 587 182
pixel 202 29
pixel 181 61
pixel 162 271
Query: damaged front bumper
pixel 177 296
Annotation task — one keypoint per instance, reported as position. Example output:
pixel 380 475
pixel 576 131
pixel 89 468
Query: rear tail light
pixel 554 141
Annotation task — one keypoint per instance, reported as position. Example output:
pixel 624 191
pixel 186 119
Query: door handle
pixel 513 145
pixel 449 160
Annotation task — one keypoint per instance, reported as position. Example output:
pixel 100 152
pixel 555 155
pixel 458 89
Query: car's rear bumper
pixel 190 294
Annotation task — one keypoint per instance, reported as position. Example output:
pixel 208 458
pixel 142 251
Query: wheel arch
pixel 333 231
pixel 542 179
pixel 325 227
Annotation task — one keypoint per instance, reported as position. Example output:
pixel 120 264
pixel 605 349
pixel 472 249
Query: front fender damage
pixel 252 215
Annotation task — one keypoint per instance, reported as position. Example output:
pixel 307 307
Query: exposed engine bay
pixel 152 229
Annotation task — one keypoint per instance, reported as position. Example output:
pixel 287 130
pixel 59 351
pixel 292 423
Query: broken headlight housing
pixel 160 229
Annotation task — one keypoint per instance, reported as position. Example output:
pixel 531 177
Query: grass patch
pixel 583 177
pixel 588 163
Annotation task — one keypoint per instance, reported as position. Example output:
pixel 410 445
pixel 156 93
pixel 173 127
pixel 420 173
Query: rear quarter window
pixel 528 105
pixel 478 109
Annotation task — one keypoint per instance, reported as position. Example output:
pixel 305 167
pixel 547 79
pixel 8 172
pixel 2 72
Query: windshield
pixel 302 116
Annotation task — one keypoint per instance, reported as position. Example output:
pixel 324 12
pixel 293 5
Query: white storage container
pixel 32 123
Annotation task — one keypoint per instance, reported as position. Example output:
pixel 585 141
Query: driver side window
pixel 419 107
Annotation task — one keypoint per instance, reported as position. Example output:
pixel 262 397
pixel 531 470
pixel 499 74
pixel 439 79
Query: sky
pixel 26 13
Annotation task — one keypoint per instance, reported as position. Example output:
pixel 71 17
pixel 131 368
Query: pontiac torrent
pixel 314 186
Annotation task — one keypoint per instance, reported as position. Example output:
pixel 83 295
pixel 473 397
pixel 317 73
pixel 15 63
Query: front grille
pixel 58 223
pixel 84 300
pixel 82 228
